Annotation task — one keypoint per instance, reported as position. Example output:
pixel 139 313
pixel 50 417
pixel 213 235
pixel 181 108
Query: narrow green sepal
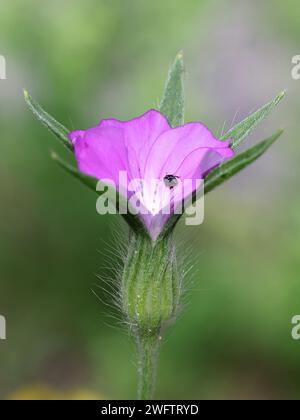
pixel 239 162
pixel 172 104
pixel 243 129
pixel 47 120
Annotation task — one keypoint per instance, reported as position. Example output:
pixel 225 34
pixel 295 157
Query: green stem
pixel 147 365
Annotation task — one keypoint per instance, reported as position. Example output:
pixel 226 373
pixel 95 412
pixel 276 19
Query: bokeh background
pixel 85 60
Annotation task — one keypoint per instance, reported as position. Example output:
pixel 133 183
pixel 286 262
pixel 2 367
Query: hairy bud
pixel 151 284
pixel 151 290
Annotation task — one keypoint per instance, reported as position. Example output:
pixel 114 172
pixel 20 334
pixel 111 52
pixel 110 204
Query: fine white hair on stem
pixel 115 320
pixel 221 131
pixel 223 128
pixel 189 262
pixel 234 118
pixel 108 288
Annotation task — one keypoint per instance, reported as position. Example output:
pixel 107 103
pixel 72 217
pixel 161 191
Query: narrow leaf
pixel 172 104
pixel 54 126
pixel 92 183
pixel 242 130
pixel 239 162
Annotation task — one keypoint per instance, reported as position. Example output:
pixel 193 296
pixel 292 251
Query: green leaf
pixel 242 130
pixel 115 197
pixel 55 127
pixel 239 162
pixel 172 104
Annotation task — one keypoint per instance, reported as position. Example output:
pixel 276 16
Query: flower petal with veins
pixel 148 149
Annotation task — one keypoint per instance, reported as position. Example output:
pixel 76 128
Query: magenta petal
pixel 148 149
pixel 201 161
pixel 139 135
pixel 100 152
pixel 174 146
pixel 74 135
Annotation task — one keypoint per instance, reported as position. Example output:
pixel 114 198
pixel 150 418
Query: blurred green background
pixel 86 60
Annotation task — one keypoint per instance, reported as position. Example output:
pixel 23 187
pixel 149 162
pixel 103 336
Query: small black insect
pixel 171 181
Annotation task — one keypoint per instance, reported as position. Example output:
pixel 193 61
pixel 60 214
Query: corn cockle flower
pixel 159 154
pixel 151 152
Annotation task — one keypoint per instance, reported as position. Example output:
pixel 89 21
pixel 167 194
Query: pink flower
pixel 148 149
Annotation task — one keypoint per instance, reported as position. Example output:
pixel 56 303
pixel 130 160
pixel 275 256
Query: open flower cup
pixel 156 167
pixel 150 169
